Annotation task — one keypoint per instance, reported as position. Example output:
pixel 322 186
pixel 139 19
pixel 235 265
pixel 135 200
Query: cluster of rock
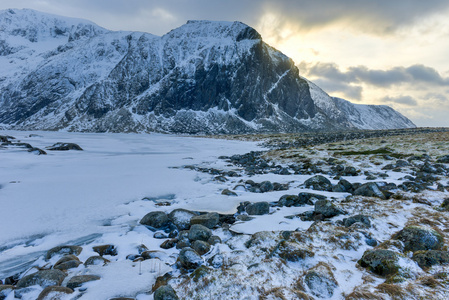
pixel 9 141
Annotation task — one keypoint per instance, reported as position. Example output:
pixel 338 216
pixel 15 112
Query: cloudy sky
pixel 366 51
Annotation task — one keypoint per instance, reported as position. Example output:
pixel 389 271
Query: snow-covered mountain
pixel 60 73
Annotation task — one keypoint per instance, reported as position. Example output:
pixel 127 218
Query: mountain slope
pixel 203 77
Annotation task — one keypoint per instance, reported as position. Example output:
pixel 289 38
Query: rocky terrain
pixel 204 77
pixel 330 218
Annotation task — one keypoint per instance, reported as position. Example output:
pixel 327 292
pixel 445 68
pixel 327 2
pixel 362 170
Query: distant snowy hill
pixel 60 73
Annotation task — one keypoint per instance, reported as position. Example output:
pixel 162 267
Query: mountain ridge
pixel 203 77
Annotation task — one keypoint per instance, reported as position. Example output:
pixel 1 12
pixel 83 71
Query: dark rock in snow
pixel 105 250
pixel 318 183
pixel 417 238
pixel 155 219
pixel 347 222
pixel 369 189
pixel 320 280
pixel 96 260
pixel 201 247
pixel 42 278
pixel 258 208
pixel 210 220
pixel 291 251
pixel 77 281
pixel 427 259
pixel 165 292
pixel 380 261
pixel 67 262
pixel 63 250
pixel 54 292
pixel 199 232
pixel 327 209
pixel 64 147
pixel 190 259
pixel 181 218
pixel 227 192
pixel 168 244
pixel 343 186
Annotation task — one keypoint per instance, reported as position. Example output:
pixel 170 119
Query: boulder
pixel 189 258
pixel 258 208
pixel 347 222
pixel 199 232
pixel 54 292
pixel 319 183
pixel 320 280
pixel 63 250
pixel 417 238
pixel 105 250
pixel 327 209
pixel 77 281
pixel 155 219
pixel 343 186
pixel 266 186
pixel 291 251
pixel 64 147
pixel 42 278
pixel 427 259
pixel 210 220
pixel 201 247
pixel 165 292
pixel 380 261
pixel 96 260
pixel 228 192
pixel 181 218
pixel 369 189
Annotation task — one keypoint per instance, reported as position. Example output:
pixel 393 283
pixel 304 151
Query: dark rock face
pixel 189 258
pixel 417 238
pixel 199 232
pixel 369 189
pixel 210 220
pixel 180 82
pixel 347 222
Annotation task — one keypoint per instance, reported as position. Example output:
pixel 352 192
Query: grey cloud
pixel 405 100
pixel 415 74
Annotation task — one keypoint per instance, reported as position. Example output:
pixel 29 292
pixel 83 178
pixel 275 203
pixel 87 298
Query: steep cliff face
pixel 203 77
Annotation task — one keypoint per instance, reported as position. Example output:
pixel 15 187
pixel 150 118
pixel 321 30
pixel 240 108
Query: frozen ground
pixel 97 196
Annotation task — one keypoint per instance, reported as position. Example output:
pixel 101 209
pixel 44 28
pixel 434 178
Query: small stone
pixel 71 264
pixel 266 186
pixel 105 250
pixel 343 186
pixel 258 208
pixel 54 292
pixel 161 255
pixel 199 232
pixel 227 192
pixel 42 278
pixel 347 222
pixel 189 258
pixel 165 292
pixel 155 219
pixel 369 189
pixel 327 209
pixel 63 250
pixel 210 220
pixel 65 147
pixel 417 238
pixel 77 281
pixel 214 240
pixel 380 261
pixel 96 260
pixel 201 247
pixel 181 218
pixel 320 280
pixel 319 183
pixel 427 259
pixel 168 244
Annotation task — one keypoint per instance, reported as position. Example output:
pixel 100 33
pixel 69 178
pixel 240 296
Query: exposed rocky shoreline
pixel 375 212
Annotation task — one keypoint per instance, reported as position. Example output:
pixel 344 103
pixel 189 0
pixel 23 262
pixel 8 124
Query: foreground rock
pixel 320 280
pixel 189 258
pixel 417 238
pixel 42 278
pixel 380 261
pixel 155 219
pixel 165 292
